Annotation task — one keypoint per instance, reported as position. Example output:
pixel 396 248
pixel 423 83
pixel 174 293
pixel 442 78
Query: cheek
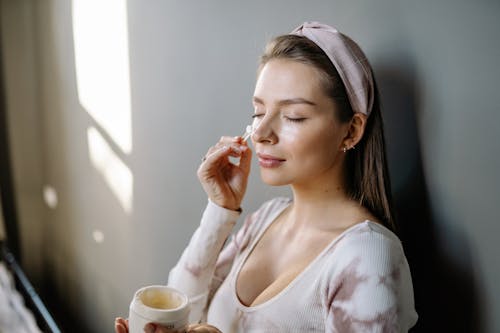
pixel 310 144
pixel 292 133
pixel 302 135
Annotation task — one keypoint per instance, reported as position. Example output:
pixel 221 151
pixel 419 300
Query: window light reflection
pixel 102 66
pixel 116 174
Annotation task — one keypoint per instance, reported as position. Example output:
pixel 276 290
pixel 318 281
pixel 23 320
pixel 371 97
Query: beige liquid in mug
pixel 158 304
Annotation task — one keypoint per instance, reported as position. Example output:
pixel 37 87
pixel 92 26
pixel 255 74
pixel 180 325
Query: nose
pixel 264 131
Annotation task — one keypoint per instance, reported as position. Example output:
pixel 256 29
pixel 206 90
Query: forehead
pixel 284 79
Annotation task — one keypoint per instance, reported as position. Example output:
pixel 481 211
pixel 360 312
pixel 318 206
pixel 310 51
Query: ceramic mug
pixel 158 304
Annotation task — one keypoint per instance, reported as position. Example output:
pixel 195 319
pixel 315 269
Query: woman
pixel 326 260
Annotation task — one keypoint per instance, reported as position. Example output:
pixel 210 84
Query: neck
pixel 312 202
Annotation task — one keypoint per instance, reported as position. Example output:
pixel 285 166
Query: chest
pixel 299 309
pixel 275 262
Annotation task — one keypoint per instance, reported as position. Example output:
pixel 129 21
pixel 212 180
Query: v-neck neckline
pixel 298 277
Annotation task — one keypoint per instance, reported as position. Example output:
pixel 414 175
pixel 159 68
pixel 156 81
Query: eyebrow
pixel 289 101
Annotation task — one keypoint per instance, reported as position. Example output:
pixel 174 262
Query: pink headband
pixel 347 57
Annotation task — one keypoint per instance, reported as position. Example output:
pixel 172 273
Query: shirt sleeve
pixel 204 264
pixel 373 290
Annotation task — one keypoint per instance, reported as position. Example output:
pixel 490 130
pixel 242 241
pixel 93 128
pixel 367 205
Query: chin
pixel 274 179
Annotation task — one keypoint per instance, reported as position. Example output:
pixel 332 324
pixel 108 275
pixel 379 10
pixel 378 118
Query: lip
pixel 269 161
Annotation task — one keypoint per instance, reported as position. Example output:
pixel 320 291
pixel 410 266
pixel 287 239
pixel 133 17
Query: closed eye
pixel 295 120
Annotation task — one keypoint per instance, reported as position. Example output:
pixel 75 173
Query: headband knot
pixel 349 60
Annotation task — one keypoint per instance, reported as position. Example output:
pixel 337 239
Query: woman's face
pixel 298 139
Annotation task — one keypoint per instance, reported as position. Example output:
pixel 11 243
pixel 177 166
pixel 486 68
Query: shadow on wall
pixel 446 293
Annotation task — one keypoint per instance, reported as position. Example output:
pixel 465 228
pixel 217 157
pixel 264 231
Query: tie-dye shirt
pixel 359 283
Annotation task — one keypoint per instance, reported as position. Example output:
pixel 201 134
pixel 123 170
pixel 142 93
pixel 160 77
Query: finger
pixel 229 139
pixel 156 328
pixel 246 160
pixel 202 328
pixel 122 321
pixel 216 154
pixel 224 151
pixel 237 150
pixel 150 328
pixel 120 326
pixel 224 141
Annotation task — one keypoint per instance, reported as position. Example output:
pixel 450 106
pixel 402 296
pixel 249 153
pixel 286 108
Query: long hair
pixel 367 175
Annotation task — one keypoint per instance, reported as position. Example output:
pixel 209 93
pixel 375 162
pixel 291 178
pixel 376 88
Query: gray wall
pixel 192 70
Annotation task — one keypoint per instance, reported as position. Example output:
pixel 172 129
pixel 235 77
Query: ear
pixel 355 131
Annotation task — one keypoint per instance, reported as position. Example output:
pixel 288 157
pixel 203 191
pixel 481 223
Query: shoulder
pixel 370 279
pixel 369 236
pixel 372 243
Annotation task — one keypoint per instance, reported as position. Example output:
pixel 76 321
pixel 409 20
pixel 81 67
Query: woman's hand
pixel 121 326
pixel 202 328
pixel 224 182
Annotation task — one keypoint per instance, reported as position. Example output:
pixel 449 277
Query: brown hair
pixel 367 173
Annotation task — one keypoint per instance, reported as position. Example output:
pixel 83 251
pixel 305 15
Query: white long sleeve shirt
pixel 360 282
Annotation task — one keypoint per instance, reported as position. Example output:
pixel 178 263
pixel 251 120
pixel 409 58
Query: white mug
pixel 162 305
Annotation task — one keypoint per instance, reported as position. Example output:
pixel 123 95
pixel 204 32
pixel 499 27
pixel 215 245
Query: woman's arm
pixel 204 266
pixel 198 264
pixel 373 290
pixel 225 184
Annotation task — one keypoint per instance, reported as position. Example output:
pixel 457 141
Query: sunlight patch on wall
pixel 117 175
pixel 50 196
pixel 102 66
pixel 98 236
pixel 100 33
